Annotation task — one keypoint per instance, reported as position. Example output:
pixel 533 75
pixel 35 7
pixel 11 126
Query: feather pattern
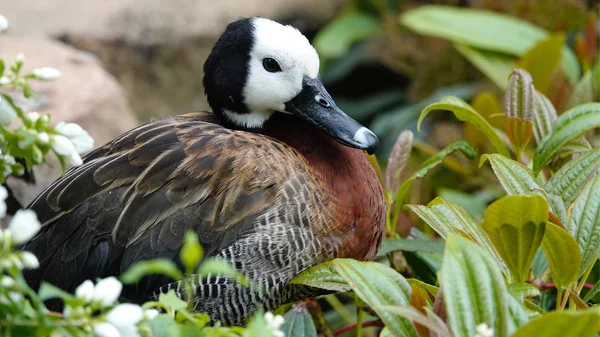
pixel 253 201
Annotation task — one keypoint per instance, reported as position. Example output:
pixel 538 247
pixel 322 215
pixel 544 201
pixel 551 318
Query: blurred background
pixel 124 62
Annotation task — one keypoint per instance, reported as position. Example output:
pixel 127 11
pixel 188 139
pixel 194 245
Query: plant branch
pixel 351 327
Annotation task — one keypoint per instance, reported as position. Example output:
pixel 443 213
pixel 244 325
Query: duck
pixel 274 180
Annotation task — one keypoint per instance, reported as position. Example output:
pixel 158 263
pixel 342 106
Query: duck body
pixel 273 200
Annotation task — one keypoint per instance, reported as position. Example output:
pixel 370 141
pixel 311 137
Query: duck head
pixel 259 68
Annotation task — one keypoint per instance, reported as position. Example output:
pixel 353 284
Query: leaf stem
pixel 583 279
pixel 340 308
pixel 359 315
pixel 351 327
pixel 559 299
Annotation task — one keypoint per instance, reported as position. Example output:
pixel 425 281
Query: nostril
pixel 322 101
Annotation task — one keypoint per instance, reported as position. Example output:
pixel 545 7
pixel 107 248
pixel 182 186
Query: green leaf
pixel 156 266
pixel 571 323
pixel 434 324
pixel 2 67
pixel 337 37
pixel 495 66
pixel 172 301
pixel 7 112
pixel 378 286
pixel 584 223
pixel 542 59
pixel 519 180
pixel 447 218
pixel 298 323
pixel 484 30
pixel 191 252
pixel 323 276
pixel 570 179
pixel 523 290
pixel 583 91
pixel 412 245
pixel 464 112
pixel 563 255
pixel 474 289
pixel 216 266
pixel 516 225
pixel 568 126
pixel 48 291
pixel 429 164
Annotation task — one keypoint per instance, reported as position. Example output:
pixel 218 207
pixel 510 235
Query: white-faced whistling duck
pixel 274 180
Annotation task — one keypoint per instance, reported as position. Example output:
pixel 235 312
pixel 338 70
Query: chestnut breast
pixel 355 195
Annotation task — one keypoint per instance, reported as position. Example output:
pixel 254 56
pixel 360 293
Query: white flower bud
pixel 33 116
pixel 4 80
pixel 80 138
pixel 106 330
pixel 3 196
pixel 274 322
pixel 150 314
pixel 20 58
pixel 3 23
pixel 46 73
pixel 107 291
pixel 43 137
pixel 85 291
pixel 29 260
pixel 24 225
pixel 65 148
pixel 483 330
pixel 7 281
pixel 125 314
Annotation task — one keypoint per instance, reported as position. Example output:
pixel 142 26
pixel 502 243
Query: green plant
pixel 496 274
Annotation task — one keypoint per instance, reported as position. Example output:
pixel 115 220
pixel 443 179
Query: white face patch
pixel 264 91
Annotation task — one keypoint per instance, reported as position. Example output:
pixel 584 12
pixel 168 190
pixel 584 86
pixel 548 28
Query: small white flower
pixel 20 58
pixel 107 291
pixel 3 23
pixel 483 330
pixel 85 291
pixel 63 146
pixel 81 139
pixel 6 114
pixel 29 260
pixel 150 314
pixel 7 281
pixel 33 116
pixel 106 330
pixel 24 225
pixel 125 317
pixel 274 322
pixel 4 80
pixel 43 137
pixel 3 196
pixel 46 73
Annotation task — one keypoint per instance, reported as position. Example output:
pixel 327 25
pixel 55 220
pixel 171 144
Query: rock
pixel 152 21
pixel 156 51
pixel 85 94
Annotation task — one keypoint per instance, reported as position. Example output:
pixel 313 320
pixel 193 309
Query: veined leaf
pixel 568 126
pixel 571 323
pixel 543 117
pixel 432 323
pixel 484 30
pixel 379 286
pixel 570 179
pixel 519 180
pixel 323 276
pixel 430 163
pixel 584 223
pixel 494 65
pixel 592 292
pixel 156 266
pixel 541 60
pixel 583 91
pixel 447 218
pixel 516 226
pixel 430 246
pixel 523 290
pixel 298 323
pixel 474 289
pixel 563 255
pixel 464 112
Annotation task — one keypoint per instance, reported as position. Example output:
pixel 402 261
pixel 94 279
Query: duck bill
pixel 315 105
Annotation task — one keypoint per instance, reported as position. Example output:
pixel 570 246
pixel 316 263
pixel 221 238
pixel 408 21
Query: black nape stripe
pixel 226 69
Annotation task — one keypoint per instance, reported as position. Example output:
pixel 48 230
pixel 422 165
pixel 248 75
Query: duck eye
pixel 271 65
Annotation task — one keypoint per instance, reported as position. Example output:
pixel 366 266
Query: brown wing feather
pixel 135 197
